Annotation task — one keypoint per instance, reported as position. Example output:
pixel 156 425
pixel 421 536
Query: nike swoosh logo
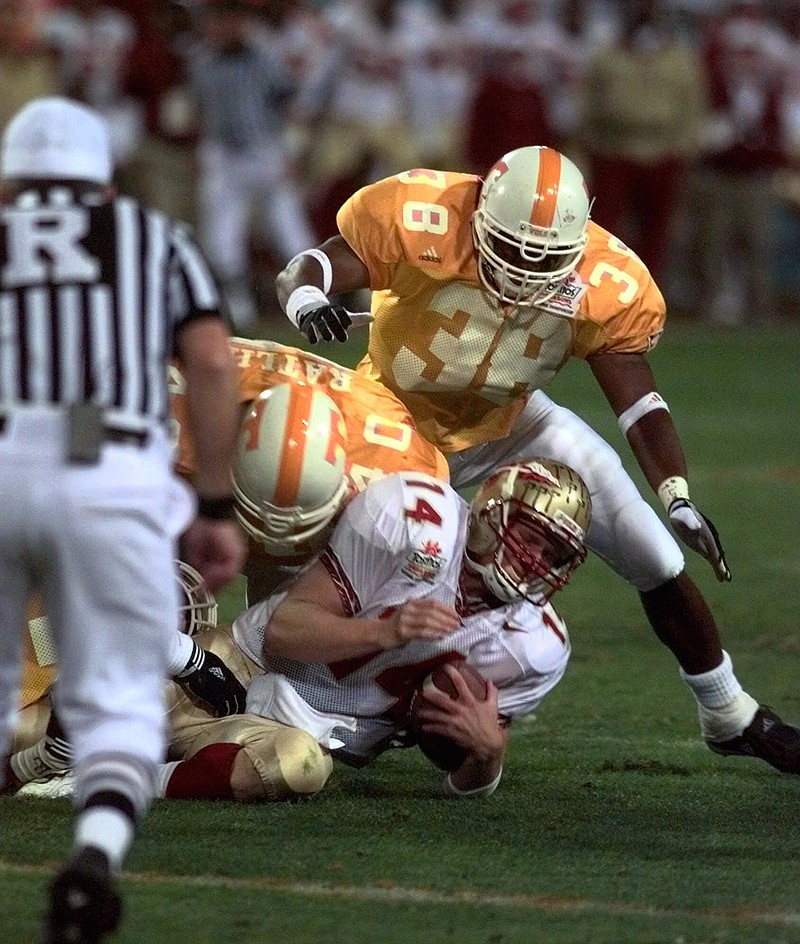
pixel 512 629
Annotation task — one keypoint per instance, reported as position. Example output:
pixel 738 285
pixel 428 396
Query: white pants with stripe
pixel 98 541
pixel 625 531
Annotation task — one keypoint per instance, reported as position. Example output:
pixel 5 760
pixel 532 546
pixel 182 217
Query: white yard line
pixel 398 894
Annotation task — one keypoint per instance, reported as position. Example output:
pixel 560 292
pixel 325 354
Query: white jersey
pixel 403 538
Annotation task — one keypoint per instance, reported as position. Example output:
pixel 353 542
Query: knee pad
pixel 290 763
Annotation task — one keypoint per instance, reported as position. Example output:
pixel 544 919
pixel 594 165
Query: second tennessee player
pixel 303 405
pixel 482 291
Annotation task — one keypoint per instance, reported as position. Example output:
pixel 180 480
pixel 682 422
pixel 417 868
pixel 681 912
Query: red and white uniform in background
pixel 401 539
pixel 439 75
pixel 368 111
pixel 368 87
pixel 470 370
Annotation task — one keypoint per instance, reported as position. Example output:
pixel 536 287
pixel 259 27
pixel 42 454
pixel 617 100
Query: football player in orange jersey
pixel 481 291
pixel 360 426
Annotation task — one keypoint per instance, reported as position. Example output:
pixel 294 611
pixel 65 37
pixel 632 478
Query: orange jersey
pixel 381 435
pixel 462 362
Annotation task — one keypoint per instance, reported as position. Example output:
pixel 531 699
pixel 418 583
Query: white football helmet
pixel 527 527
pixel 530 225
pixel 197 607
pixel 289 471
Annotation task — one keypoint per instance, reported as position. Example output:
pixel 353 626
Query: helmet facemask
pixel 197 607
pixel 532 559
pixel 530 226
pixel 288 532
pixel 524 268
pixel 526 530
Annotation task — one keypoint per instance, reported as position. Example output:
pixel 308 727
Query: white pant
pixel 234 184
pixel 625 531
pixel 98 540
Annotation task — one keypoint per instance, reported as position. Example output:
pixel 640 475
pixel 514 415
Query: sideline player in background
pixel 482 290
pixel 96 294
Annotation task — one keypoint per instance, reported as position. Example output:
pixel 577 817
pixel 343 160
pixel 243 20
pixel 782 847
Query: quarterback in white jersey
pixel 415 577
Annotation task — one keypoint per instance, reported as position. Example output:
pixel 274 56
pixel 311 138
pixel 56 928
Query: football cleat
pixel 766 737
pixel 53 788
pixel 84 903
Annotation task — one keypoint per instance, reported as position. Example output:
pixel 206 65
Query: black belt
pixel 128 437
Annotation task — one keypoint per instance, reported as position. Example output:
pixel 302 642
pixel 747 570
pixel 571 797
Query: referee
pixel 96 295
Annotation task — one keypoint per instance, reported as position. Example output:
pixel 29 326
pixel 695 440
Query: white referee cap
pixel 56 139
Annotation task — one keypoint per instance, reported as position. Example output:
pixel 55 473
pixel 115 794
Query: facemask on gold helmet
pixel 527 528
pixel 197 608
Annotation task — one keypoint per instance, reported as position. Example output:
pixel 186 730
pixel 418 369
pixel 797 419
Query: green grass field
pixel 613 824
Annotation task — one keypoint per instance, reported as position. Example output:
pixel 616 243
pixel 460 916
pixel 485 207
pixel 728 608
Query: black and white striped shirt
pixel 91 292
pixel 242 96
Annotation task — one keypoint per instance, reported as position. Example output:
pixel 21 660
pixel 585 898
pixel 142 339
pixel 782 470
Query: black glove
pixel 696 531
pixel 208 679
pixel 325 323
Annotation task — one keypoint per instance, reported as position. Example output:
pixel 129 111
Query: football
pixel 440 750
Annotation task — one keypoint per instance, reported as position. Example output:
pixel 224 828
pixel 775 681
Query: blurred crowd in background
pixel 255 119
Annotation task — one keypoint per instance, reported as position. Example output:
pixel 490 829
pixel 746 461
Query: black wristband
pixel 218 509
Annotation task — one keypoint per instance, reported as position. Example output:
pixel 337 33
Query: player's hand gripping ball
pixel 440 750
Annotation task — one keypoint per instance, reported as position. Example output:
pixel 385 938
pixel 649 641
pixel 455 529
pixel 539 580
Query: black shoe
pixel 84 903
pixel 766 737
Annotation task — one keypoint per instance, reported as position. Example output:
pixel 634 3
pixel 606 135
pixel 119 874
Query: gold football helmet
pixel 527 527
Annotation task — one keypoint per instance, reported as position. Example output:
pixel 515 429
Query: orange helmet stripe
pixel 293 448
pixel 546 195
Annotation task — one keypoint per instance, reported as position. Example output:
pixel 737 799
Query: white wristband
pixel 487 790
pixel 303 299
pixel 672 488
pixel 647 403
pixel 181 648
pixel 323 260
